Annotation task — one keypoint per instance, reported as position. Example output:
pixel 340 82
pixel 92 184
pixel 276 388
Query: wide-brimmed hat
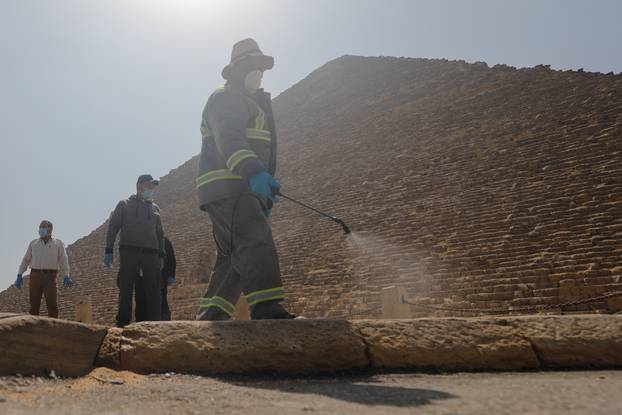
pixel 247 56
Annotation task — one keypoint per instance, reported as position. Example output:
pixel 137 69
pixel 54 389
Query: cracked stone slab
pixel 495 343
pixel 108 355
pixel 587 341
pixel 35 345
pixel 284 346
pixel 305 346
pixel 446 344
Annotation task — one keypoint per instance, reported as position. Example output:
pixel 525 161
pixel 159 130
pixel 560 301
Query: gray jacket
pixel 139 223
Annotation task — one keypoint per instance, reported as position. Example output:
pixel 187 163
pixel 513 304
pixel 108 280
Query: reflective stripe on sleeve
pixel 257 134
pixel 213 175
pixel 251 134
pixel 237 157
pixel 260 120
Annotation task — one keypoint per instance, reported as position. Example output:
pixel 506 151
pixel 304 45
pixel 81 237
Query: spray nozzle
pixel 345 227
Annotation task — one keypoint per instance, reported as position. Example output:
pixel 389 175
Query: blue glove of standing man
pixel 264 184
pixel 67 281
pixel 19 282
pixel 107 260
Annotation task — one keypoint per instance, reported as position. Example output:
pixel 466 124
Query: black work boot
pixel 120 324
pixel 270 310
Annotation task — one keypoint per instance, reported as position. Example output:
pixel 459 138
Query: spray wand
pixel 343 225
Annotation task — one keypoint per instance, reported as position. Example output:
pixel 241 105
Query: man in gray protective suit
pixel 236 188
pixel 141 248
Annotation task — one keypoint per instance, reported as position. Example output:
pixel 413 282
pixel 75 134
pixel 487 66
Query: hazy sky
pixel 93 93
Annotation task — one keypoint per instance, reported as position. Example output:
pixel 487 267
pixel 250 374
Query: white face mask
pixel 252 81
pixel 148 194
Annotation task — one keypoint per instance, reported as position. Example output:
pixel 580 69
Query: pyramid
pixel 472 187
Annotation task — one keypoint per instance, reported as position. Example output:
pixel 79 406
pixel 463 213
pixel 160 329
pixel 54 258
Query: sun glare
pixel 192 6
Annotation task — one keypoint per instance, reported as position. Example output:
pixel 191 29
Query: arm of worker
pixel 114 226
pixel 160 234
pixel 63 260
pixel 63 263
pixel 227 115
pixel 26 260
pixel 265 102
pixel 171 261
pixel 170 264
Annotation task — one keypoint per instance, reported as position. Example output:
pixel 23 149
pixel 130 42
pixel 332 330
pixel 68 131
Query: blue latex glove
pixel 107 260
pixel 19 282
pixel 67 281
pixel 170 281
pixel 161 264
pixel 263 183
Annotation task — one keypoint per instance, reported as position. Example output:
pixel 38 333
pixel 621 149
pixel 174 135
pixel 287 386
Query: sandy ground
pixel 108 392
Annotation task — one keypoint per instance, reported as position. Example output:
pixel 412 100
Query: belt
pixel 44 271
pixel 139 249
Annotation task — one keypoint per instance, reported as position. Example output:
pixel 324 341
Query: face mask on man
pixel 43 232
pixel 148 194
pixel 252 81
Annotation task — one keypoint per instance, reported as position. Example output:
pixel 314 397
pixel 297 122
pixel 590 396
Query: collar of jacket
pixel 239 86
pixel 140 199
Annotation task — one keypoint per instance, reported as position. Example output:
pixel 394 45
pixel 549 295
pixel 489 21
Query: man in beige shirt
pixel 45 256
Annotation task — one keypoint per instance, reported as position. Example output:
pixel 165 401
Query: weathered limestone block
pixel 292 346
pixel 446 344
pixel 34 345
pixel 242 310
pixel 84 309
pixel 585 341
pixel 495 343
pixel 614 304
pixel 108 354
pixel 302 346
pixel 392 302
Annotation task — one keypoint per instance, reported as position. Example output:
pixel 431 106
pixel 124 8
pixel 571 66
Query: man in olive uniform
pixel 236 187
pixel 141 248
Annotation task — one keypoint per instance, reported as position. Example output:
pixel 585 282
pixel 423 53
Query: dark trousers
pixel 140 297
pixel 246 261
pixel 43 283
pixel 131 264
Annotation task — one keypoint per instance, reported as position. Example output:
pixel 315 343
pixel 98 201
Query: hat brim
pixel 248 63
pixel 155 182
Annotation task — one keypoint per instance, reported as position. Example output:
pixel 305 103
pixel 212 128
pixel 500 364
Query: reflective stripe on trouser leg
pixel 218 302
pixel 225 283
pixel 261 296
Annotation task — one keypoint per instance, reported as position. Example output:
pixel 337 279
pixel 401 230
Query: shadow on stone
pixel 360 390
